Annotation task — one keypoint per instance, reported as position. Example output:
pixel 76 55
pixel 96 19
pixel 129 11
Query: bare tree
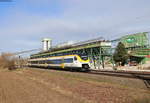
pixel 7 61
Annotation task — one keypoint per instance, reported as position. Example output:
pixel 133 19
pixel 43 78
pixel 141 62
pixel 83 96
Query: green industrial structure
pixel 100 51
pixel 137 46
pixel 97 50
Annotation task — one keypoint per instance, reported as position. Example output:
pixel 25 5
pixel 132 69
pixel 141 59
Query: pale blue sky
pixel 24 22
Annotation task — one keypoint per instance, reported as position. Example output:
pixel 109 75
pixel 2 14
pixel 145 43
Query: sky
pixel 23 23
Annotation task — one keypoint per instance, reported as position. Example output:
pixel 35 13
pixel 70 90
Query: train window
pixel 56 61
pixel 41 62
pixel 84 57
pixel 33 62
pixel 50 62
pixel 46 61
pixel 59 61
pixel 69 60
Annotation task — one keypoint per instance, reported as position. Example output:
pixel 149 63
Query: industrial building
pixel 96 49
pixel 99 50
pixel 137 46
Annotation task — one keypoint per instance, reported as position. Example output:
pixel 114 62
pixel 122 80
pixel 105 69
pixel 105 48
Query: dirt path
pixel 42 86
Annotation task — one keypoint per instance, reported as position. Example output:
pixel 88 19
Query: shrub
pixel 7 61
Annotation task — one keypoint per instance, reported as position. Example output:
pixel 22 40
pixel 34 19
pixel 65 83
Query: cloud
pixel 79 20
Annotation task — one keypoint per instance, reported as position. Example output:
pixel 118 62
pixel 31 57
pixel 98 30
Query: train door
pixel 62 64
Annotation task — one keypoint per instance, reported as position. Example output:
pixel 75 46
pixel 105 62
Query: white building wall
pixel 46 44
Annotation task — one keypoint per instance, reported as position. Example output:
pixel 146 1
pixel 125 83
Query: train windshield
pixel 84 57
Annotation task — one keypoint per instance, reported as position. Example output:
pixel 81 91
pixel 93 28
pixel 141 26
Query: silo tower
pixel 47 44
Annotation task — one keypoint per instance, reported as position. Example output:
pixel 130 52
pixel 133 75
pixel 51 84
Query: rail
pixel 145 76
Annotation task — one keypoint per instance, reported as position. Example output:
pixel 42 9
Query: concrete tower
pixel 47 43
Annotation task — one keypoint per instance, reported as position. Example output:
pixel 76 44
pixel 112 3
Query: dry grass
pixel 146 68
pixel 50 86
pixel 93 88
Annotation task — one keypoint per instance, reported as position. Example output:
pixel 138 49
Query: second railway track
pixel 145 76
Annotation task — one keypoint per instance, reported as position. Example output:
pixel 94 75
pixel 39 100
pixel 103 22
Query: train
pixel 70 62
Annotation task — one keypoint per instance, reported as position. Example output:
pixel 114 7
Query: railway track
pixel 145 76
